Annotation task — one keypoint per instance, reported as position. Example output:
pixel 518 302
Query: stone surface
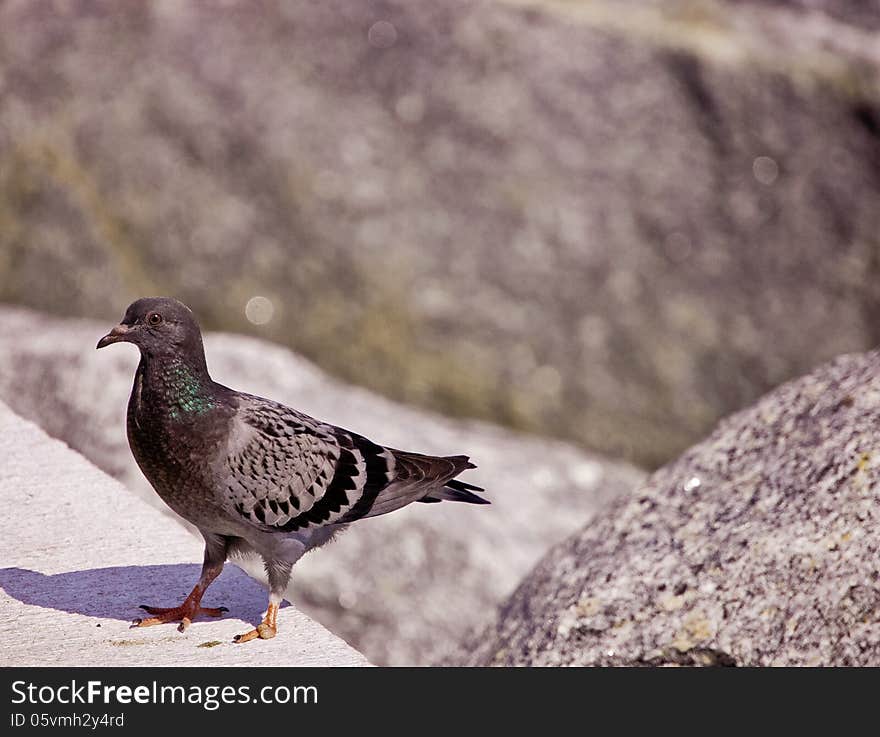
pixel 402 588
pixel 597 220
pixel 80 554
pixel 759 546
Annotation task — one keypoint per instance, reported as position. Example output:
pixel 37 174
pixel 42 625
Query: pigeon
pixel 253 475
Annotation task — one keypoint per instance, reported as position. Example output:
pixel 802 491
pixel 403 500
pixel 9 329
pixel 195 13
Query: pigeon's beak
pixel 119 333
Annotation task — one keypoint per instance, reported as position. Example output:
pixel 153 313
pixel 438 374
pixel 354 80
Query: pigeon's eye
pixel 154 318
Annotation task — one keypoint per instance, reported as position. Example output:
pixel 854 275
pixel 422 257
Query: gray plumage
pixel 253 475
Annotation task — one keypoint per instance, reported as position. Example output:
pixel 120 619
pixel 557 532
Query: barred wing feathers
pixel 285 471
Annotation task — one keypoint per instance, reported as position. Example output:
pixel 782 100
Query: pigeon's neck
pixel 182 388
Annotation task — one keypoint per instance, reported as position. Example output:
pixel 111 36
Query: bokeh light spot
pixel 259 310
pixel 382 34
pixel 765 169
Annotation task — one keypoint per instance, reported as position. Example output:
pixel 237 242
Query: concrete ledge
pixel 79 554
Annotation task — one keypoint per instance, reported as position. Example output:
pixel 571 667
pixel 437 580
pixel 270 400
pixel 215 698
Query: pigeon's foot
pixel 266 630
pixel 185 614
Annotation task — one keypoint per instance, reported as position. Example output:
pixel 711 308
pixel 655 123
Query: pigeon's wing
pixel 285 471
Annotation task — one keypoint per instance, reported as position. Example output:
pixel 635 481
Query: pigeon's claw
pixel 184 614
pixel 266 630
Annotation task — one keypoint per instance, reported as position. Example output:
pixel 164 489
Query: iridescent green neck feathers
pixel 186 391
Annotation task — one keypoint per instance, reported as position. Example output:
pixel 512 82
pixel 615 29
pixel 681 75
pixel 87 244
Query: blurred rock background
pixel 610 222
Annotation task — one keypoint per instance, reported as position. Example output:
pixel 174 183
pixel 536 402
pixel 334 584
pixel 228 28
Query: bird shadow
pixel 117 592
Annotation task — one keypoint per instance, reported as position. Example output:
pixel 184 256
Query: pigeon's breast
pixel 174 450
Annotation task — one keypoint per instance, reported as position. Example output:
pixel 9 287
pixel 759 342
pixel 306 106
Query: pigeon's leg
pixel 215 557
pixel 279 577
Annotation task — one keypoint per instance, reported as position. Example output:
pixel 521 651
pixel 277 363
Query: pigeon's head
pixel 158 326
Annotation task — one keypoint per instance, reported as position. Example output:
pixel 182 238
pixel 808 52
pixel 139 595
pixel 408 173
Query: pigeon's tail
pixel 455 490
pixel 421 478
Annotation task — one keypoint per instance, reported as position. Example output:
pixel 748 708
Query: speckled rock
pixel 759 546
pixel 404 588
